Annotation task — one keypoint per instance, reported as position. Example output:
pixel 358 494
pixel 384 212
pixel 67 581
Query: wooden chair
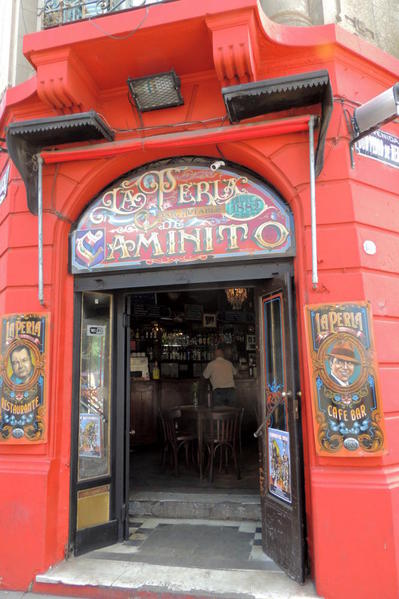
pixel 221 440
pixel 175 439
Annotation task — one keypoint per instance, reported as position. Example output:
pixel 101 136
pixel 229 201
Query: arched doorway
pixel 190 229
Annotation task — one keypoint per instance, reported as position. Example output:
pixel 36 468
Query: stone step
pixel 99 578
pixel 204 506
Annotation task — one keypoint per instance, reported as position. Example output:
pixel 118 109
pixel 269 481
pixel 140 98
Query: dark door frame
pixel 101 535
pixel 122 285
pixel 282 520
pixel 210 274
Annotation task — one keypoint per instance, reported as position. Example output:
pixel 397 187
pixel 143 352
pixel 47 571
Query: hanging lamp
pixel 236 296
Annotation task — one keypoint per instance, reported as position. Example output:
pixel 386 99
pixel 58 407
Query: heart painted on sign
pixel 89 248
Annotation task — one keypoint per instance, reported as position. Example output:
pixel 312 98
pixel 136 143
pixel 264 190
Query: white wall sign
pixel 380 146
pixel 4 183
pixel 95 330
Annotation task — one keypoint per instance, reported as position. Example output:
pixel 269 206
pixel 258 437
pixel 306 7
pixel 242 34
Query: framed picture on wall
pixel 209 321
pixel 250 343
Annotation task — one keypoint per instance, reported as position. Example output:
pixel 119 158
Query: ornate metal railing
pixel 60 12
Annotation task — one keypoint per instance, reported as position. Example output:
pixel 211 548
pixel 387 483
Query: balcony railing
pixel 60 12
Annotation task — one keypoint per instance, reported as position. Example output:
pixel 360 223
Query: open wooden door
pixel 283 537
pixel 98 497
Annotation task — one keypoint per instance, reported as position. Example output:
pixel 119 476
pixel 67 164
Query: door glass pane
pixel 274 359
pixel 95 386
pixel 277 437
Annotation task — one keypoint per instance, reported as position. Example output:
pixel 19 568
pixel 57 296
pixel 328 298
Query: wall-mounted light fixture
pixel 373 114
pixel 376 112
pixel 155 91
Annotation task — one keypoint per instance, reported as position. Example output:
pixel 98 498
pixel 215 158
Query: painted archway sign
pixel 348 416
pixel 179 215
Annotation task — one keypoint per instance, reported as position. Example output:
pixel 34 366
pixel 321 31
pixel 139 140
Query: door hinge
pixel 296 404
pixel 124 511
pixel 126 321
pixel 296 409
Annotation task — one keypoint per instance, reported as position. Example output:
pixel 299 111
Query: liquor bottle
pixel 195 395
pixel 155 372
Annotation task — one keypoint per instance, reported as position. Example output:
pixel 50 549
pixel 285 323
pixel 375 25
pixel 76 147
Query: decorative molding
pixel 63 82
pixel 235 47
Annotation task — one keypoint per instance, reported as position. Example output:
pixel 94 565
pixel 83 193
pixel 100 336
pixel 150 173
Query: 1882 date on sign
pixel 346 401
pixel 23 378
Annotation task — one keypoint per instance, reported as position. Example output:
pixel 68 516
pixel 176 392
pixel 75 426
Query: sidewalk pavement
pixel 26 595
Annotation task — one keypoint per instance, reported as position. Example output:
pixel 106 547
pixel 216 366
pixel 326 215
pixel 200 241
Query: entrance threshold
pixel 208 506
pixel 167 557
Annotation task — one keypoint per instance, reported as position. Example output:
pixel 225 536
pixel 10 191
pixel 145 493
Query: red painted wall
pixel 352 504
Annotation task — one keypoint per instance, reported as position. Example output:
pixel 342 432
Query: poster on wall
pixel 348 419
pixel 90 445
pixel 279 464
pixel 23 378
pixel 180 215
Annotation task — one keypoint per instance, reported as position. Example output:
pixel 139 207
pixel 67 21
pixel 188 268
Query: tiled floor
pixel 196 543
pixel 147 474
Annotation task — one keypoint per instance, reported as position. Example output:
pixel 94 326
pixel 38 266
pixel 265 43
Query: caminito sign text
pixel 180 214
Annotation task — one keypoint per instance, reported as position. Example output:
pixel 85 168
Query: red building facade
pixel 351 503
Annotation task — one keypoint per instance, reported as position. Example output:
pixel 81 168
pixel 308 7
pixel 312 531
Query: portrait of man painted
pixel 22 360
pixel 21 364
pixel 23 373
pixel 343 363
pixel 347 411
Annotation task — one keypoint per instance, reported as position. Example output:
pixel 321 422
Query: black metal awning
pixel 25 139
pixel 275 95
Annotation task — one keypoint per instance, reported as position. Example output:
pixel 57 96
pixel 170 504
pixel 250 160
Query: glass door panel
pixel 96 502
pixel 95 387
pixel 275 380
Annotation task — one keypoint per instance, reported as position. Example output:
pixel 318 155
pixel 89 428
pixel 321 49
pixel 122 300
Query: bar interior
pixel 174 335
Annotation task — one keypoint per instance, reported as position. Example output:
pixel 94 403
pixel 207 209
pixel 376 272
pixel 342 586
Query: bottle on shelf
pixel 195 395
pixel 155 372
